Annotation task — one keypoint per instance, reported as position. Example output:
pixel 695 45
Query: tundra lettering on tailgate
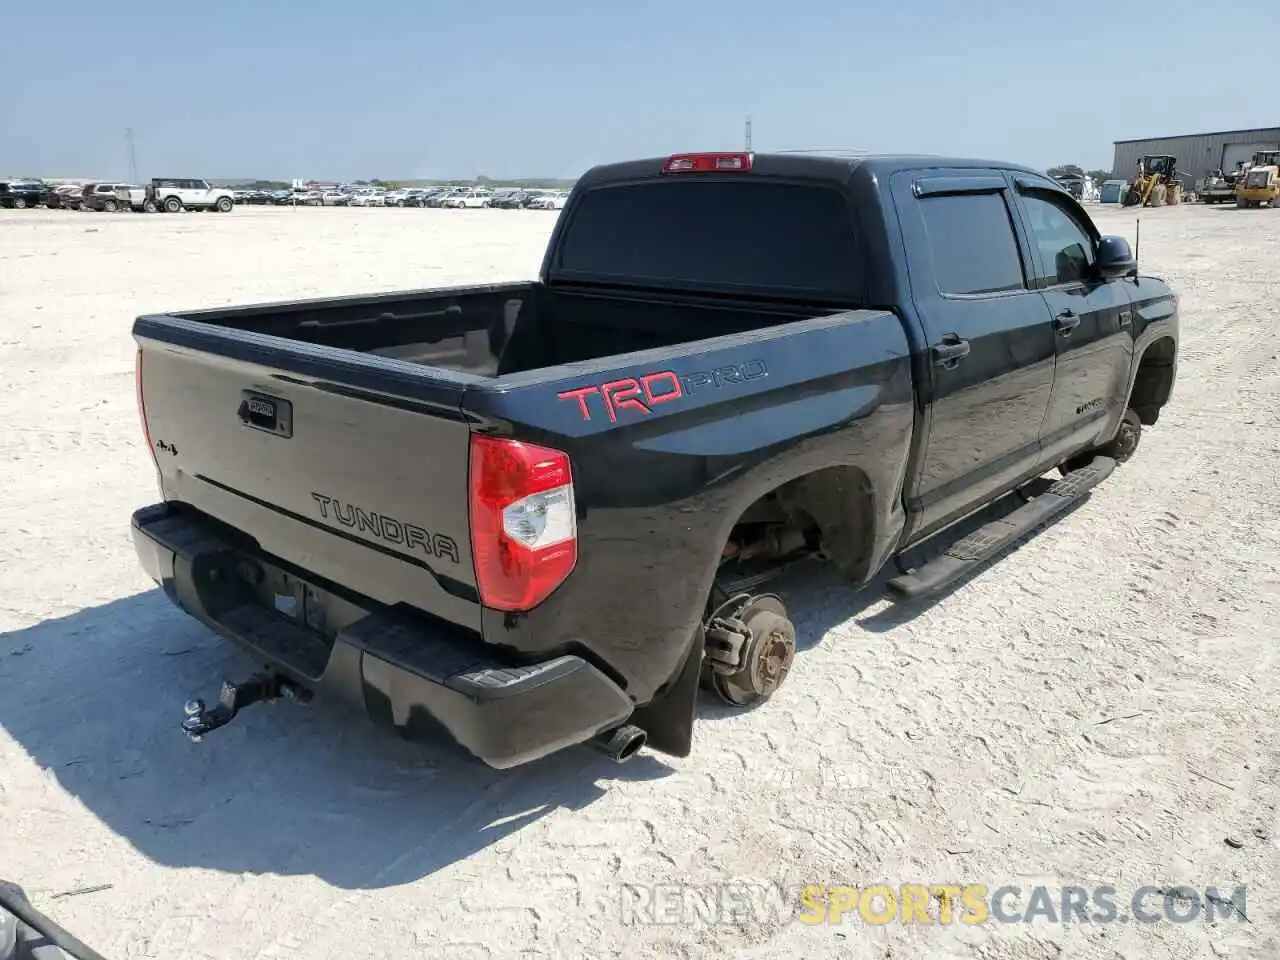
pixel 385 528
pixel 641 394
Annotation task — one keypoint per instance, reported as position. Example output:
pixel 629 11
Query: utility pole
pixel 748 133
pixel 133 156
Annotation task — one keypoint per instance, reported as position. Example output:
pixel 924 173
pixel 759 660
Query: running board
pixel 972 551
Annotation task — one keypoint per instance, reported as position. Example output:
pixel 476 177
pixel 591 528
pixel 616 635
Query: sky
pixel 399 89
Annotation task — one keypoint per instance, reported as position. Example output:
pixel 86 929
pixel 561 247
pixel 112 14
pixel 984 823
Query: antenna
pixel 1137 238
pixel 133 156
pixel 748 133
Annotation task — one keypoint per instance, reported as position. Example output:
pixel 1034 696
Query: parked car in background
pixel 531 197
pixel 138 197
pixel 21 194
pixel 551 201
pixel 113 197
pixel 438 198
pixel 469 200
pixel 173 196
pixel 417 197
pixel 65 196
pixel 368 199
pixel 105 197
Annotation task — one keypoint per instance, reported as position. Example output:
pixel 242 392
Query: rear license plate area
pixel 288 596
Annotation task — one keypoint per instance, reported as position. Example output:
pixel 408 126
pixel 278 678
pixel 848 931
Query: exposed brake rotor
pixel 750 645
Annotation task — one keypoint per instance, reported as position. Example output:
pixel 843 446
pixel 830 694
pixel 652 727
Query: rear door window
pixel 973 244
pixel 744 234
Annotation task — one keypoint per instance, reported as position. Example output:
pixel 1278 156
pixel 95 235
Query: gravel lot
pixel 1099 707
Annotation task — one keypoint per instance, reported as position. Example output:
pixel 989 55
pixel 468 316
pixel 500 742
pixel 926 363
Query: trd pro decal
pixel 641 394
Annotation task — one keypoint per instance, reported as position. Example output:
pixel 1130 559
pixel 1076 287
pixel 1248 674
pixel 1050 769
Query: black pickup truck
pixel 545 513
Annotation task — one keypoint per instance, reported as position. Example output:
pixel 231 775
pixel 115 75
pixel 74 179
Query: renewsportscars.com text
pixel 926 903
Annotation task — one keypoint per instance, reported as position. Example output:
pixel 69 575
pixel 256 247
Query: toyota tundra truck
pixel 538 514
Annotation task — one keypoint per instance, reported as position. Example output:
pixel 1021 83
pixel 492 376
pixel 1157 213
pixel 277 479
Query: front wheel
pixel 1124 444
pixel 1119 448
pixel 223 204
pixel 110 206
pixel 19 203
pixel 149 206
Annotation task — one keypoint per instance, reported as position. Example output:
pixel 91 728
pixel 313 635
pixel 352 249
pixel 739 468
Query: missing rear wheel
pixel 764 641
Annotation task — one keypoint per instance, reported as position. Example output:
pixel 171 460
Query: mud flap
pixel 667 720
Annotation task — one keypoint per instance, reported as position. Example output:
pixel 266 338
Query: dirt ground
pixel 1100 707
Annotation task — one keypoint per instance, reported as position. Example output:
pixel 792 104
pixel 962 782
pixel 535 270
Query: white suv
pixel 553 201
pixel 468 199
pixel 176 195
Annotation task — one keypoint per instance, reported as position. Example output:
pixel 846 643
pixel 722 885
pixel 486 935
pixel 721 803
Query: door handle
pixel 950 351
pixel 1066 322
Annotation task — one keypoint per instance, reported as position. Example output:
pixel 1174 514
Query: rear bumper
pixel 416 675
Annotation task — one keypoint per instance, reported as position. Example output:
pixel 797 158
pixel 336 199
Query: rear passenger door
pixel 195 193
pixel 1092 320
pixel 989 342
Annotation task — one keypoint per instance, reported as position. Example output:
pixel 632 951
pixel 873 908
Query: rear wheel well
pixel 1154 381
pixel 828 511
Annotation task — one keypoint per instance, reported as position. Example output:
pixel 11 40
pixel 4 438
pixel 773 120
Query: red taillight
pixel 707 163
pixel 142 409
pixel 524 525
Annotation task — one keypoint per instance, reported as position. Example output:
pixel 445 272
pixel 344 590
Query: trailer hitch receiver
pixel 234 697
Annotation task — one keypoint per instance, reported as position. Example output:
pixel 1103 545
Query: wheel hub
pixel 767 650
pixel 1126 442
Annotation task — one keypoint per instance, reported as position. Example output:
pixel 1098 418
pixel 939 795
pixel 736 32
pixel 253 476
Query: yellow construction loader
pixel 1259 183
pixel 1156 183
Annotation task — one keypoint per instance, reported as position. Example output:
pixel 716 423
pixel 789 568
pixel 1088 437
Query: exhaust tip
pixel 621 743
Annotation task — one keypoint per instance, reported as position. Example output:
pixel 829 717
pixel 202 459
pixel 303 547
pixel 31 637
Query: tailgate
pixel 351 467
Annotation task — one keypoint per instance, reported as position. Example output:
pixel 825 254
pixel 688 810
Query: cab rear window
pixel 736 233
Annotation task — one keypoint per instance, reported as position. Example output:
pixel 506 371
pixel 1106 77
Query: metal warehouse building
pixel 1198 153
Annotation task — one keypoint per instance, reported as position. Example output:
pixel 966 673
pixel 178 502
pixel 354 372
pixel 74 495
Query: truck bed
pixel 496 330
pixel 360 410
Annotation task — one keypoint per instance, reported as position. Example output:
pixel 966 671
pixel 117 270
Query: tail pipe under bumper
pixel 621 743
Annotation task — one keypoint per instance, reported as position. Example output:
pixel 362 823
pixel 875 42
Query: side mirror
pixel 1115 259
